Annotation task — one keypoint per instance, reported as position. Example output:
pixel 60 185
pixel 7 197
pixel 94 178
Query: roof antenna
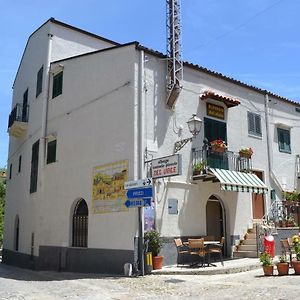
pixel 174 62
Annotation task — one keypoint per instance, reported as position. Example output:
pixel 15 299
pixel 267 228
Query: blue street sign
pixel 138 202
pixel 139 193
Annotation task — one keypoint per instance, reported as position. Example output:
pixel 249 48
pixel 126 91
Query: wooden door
pixel 258 201
pixel 214 219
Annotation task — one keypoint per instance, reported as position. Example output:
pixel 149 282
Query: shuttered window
pixel 57 84
pixel 284 140
pixel 34 167
pixel 39 81
pixel 254 124
pixel 51 152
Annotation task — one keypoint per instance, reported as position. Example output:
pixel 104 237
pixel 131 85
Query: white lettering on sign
pixel 138 193
pixel 166 166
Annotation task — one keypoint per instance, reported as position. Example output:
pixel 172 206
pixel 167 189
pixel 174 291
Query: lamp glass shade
pixel 194 124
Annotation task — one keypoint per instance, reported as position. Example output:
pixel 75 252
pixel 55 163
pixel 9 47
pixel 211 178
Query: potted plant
pixel 283 265
pixel 267 263
pixel 155 243
pixel 246 152
pixel 199 168
pixel 218 146
pixel 296 261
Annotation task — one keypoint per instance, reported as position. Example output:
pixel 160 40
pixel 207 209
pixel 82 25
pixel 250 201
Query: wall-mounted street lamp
pixel 194 124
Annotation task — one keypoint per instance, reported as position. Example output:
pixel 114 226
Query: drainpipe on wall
pixel 269 146
pixel 270 157
pixel 46 88
pixel 141 118
pixel 42 143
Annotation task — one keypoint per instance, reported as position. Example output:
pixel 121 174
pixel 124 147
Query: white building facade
pixel 89 114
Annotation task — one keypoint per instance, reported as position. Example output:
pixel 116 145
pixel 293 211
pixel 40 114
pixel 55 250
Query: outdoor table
pixel 207 245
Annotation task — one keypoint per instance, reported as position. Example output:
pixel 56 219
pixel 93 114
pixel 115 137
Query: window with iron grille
pixel 39 81
pixel 284 140
pixel 80 224
pixel 57 84
pixel 34 167
pixel 254 124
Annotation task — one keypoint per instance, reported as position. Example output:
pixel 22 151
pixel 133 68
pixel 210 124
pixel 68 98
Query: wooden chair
pixel 217 249
pixel 286 249
pixel 182 252
pixel 209 238
pixel 196 247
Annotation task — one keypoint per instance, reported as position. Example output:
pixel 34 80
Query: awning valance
pixel 239 181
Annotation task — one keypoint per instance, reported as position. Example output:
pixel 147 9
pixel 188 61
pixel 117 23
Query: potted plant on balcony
pixel 218 146
pixel 267 263
pixel 199 168
pixel 283 265
pixel 291 198
pixel 155 243
pixel 246 152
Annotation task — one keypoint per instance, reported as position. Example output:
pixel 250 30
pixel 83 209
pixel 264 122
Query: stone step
pixel 248 242
pixel 244 254
pixel 250 236
pixel 247 248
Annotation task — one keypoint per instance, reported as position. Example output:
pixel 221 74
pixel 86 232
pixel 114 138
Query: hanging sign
pixel 166 166
pixel 215 111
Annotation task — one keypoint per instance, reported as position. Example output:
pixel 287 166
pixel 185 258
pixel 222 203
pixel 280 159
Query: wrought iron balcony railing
pixel 18 120
pixel 18 114
pixel 227 160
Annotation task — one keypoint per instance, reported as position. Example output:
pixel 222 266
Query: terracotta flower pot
pixel 268 270
pixel 245 155
pixel 218 149
pixel 296 266
pixel 157 262
pixel 283 268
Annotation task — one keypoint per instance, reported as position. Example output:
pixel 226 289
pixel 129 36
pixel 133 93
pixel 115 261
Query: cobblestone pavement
pixel 23 284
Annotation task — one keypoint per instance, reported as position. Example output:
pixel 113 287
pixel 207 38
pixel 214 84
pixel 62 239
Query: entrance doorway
pixel 215 224
pixel 258 201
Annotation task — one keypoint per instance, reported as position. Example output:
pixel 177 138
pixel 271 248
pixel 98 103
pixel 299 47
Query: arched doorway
pixel 215 218
pixel 80 224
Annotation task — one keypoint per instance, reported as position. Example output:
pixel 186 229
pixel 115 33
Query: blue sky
pixel 255 41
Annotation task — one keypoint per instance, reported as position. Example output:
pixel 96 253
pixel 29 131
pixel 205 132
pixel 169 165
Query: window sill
pixel 259 137
pixel 285 151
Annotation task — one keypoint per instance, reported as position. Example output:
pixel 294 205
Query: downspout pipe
pixel 46 87
pixel 141 131
pixel 269 147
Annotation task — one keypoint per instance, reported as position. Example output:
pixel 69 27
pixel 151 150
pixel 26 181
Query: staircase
pixel 247 246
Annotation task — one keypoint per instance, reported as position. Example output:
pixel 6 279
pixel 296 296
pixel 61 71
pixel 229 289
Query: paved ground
pixel 25 284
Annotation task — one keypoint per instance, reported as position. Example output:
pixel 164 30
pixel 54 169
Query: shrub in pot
pixel 283 265
pixel 267 263
pixel 155 243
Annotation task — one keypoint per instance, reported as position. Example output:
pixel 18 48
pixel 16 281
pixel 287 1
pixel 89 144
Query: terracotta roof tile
pixel 229 102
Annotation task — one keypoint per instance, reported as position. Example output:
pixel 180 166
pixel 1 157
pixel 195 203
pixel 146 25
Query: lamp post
pixel 194 124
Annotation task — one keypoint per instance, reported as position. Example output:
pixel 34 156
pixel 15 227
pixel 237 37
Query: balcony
pixel 18 120
pixel 228 160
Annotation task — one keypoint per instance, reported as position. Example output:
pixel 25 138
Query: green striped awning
pixel 239 181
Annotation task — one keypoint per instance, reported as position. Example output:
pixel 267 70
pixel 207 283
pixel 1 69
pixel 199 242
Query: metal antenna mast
pixel 174 62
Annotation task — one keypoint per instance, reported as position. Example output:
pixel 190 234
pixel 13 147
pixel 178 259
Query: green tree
pixel 2 197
